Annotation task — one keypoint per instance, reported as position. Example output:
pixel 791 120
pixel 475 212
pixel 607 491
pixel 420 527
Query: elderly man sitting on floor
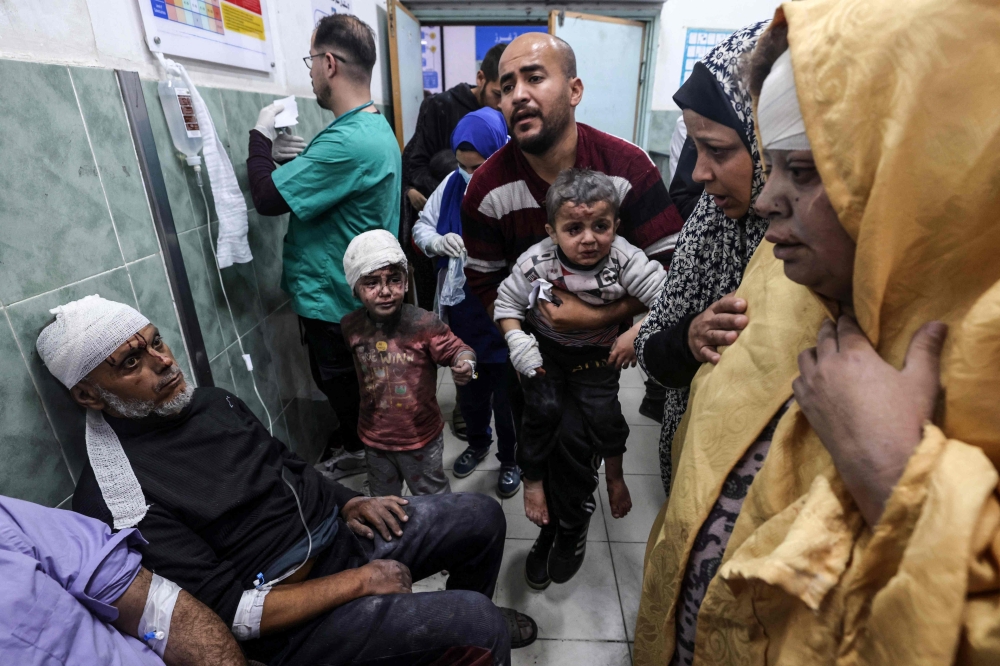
pixel 229 513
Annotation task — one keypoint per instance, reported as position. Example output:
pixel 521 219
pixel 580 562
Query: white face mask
pixel 466 176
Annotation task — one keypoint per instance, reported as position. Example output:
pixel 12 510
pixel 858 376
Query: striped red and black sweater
pixel 503 212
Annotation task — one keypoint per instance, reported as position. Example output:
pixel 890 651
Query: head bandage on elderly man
pixel 369 252
pixel 779 117
pixel 85 333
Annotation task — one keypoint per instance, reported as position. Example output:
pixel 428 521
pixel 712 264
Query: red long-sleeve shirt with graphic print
pixel 397 371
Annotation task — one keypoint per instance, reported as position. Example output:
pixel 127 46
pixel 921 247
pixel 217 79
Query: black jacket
pixel 219 511
pixel 439 114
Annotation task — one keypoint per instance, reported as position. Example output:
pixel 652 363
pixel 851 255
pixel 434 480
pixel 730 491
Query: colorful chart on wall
pixel 228 32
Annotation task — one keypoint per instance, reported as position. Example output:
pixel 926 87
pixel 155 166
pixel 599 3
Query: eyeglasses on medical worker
pixel 309 58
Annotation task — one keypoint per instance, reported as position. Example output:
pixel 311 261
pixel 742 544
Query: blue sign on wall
pixel 697 44
pixel 488 36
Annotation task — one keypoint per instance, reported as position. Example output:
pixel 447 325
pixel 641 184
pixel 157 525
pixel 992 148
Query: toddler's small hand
pixel 623 352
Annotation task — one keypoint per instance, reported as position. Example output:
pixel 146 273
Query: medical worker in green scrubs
pixel 345 182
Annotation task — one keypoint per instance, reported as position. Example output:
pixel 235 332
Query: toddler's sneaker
pixel 568 550
pixel 536 570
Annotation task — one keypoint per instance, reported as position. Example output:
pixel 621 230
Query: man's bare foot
pixel 619 497
pixel 535 507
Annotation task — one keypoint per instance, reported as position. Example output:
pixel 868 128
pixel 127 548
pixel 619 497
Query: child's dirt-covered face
pixel 584 232
pixel 382 291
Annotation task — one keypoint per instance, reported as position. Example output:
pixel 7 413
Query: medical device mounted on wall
pixel 182 120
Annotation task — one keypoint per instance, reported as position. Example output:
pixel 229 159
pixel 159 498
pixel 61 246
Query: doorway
pixel 436 45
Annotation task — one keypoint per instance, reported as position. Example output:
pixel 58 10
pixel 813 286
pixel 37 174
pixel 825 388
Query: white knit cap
pixel 369 252
pixel 84 334
pixel 779 116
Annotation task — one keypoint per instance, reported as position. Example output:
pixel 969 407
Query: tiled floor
pixel 591 619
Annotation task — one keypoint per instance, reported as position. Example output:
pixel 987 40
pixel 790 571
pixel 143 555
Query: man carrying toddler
pixel 572 417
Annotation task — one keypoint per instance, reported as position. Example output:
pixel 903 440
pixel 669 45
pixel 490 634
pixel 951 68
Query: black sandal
pixel 517 623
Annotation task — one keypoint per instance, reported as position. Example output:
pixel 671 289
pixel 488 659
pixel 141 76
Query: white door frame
pixel 649 14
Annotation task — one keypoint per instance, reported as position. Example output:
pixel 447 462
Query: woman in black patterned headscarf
pixel 693 314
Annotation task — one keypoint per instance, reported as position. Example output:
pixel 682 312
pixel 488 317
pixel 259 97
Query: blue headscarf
pixel 486 131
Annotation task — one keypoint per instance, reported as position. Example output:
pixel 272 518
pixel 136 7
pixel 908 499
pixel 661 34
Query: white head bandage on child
pixel 779 117
pixel 369 252
pixel 84 334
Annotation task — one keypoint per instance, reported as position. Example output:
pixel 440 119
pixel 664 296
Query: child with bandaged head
pixel 572 417
pixel 397 349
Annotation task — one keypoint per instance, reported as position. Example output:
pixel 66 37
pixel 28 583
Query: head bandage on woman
pixel 84 334
pixel 369 252
pixel 779 118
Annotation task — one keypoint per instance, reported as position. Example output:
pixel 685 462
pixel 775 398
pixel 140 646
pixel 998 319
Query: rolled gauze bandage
pixel 85 333
pixel 154 625
pixel 779 117
pixel 524 354
pixel 369 252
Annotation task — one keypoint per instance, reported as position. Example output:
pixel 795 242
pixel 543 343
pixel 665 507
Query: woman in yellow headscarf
pixel 831 504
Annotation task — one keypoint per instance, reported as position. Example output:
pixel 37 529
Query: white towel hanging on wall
pixel 232 246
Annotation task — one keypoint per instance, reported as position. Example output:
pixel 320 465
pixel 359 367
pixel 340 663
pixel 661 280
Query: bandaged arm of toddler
pixel 509 311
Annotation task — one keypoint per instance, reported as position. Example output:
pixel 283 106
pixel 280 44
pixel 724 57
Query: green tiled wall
pixel 261 312
pixel 74 220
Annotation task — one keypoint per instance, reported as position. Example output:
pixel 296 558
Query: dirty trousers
pixel 572 421
pixel 462 533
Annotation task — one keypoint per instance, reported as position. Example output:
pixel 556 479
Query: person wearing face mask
pixel 344 183
pixel 695 312
pixel 438 233
pixel 835 506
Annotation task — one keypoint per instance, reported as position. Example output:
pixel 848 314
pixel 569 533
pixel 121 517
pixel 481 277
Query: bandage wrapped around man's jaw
pixel 85 333
pixel 779 117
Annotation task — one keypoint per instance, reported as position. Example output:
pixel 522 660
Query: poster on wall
pixel 488 36
pixel 323 8
pixel 430 57
pixel 227 32
pixel 697 43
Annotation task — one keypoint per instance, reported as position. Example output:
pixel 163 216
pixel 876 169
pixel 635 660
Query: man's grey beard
pixel 138 409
